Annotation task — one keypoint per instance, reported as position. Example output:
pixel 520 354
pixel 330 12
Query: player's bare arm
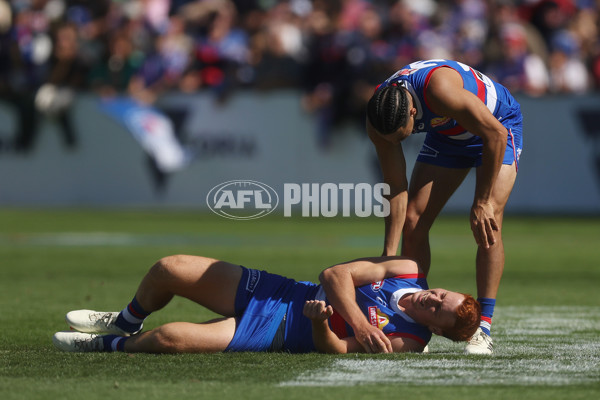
pixel 339 288
pixel 393 168
pixel 325 340
pixel 364 271
pixel 446 96
pixel 339 282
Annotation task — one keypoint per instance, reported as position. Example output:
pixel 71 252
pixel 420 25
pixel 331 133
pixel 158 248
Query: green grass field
pixel 546 327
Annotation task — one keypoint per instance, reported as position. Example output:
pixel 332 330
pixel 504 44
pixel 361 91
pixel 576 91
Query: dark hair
pixel 388 109
pixel 468 316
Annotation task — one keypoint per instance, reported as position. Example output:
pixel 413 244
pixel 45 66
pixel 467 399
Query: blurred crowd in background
pixel 333 51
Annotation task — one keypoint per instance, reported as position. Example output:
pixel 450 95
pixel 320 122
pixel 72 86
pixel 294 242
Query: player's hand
pixel 483 224
pixel 373 339
pixel 317 310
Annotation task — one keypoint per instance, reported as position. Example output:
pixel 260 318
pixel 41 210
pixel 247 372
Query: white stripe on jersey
pixel 491 97
pixel 462 136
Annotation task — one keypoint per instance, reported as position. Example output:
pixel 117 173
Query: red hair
pixel 468 316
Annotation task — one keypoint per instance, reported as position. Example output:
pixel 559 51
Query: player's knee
pixel 410 224
pixel 167 339
pixel 415 228
pixel 167 268
pixel 499 213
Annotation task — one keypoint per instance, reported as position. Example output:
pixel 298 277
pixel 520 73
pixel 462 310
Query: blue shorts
pixel 260 307
pixel 268 308
pixel 443 151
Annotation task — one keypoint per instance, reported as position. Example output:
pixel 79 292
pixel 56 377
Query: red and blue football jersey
pixel 379 302
pixel 415 77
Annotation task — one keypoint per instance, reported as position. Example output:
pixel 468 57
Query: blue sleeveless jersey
pixel 415 77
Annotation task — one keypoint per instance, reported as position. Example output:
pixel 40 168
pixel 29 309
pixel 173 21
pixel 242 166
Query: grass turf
pixel 547 324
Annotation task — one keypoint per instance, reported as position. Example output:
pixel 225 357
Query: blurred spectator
pixel 550 16
pixel 567 70
pixel 517 68
pixel 67 73
pixel 323 70
pixel 28 53
pixel 113 73
pixel 9 57
pixel 402 29
pixel 277 48
pixel 221 47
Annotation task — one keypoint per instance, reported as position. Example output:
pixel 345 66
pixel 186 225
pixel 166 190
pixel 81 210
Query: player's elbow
pixel 333 275
pixel 325 276
pixel 498 137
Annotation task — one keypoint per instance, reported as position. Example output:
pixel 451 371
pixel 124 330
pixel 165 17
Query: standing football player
pixel 470 121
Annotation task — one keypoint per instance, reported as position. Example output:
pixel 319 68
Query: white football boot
pixel 89 321
pixel 78 342
pixel 480 343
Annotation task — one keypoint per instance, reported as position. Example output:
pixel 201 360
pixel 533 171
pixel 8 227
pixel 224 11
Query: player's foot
pixel 78 342
pixel 89 321
pixel 480 343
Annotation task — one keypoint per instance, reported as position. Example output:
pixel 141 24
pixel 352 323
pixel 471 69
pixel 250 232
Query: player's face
pixel 435 308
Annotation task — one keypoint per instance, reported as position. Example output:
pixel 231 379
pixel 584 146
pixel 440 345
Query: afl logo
pixel 242 199
pixel 376 286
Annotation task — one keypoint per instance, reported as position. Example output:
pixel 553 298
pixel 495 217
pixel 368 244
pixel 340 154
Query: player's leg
pixel 430 188
pixel 209 282
pixel 490 265
pixel 177 337
pixel 206 281
pixel 490 261
pixel 184 337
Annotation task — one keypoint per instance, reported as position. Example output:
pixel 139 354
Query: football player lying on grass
pixel 374 305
